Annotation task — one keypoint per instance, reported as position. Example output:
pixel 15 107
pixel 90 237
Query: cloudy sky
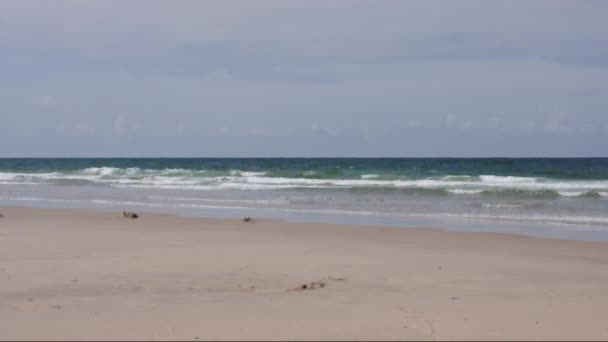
pixel 303 78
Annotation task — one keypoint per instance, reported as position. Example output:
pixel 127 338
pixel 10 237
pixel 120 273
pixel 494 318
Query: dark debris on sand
pixel 130 215
pixel 315 284
pixel 309 286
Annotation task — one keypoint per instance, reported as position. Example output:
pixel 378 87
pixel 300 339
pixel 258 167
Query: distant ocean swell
pixel 178 178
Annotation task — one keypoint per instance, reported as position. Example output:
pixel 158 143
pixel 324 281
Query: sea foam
pixel 238 179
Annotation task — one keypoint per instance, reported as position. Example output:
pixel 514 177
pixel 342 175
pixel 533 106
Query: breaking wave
pixel 483 185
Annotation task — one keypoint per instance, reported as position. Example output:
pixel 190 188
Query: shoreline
pixel 76 274
pixel 293 224
pixel 542 230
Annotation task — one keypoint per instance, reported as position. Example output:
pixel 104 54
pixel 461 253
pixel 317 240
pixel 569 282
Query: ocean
pixel 559 198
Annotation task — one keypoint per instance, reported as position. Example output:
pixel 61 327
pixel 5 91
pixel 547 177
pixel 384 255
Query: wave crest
pixel 241 179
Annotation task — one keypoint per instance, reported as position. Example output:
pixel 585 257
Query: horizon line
pixel 321 157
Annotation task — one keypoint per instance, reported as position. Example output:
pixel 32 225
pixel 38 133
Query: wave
pixel 246 173
pixel 503 205
pixel 482 185
pixel 465 191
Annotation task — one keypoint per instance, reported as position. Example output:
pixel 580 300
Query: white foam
pixel 506 179
pixel 246 173
pixel 201 179
pixel 10 176
pixel 502 205
pixel 459 178
pixel 247 186
pixel 100 171
pixel 465 191
pixel 169 187
pixel 571 193
pixel 252 174
pixel 528 183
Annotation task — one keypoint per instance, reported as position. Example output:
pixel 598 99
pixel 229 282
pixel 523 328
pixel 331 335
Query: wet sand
pixel 68 274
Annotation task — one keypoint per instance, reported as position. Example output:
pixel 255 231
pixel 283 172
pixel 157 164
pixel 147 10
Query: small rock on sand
pixel 337 279
pixel 130 215
pixel 316 284
pixel 310 286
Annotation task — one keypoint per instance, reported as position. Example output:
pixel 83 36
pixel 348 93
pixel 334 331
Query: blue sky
pixel 303 78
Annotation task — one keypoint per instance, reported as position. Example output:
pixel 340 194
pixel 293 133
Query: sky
pixel 303 78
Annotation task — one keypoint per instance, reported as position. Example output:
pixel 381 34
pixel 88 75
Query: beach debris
pixel 316 284
pixel 128 214
pixel 1 216
pixel 336 279
pixel 247 220
pixel 309 286
pixel 57 307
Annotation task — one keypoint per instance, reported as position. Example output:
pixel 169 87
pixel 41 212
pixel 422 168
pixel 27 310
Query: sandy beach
pixel 93 275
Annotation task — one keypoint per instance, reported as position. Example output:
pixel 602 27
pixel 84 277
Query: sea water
pixel 563 198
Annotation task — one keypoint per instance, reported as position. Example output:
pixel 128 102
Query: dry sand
pixel 90 275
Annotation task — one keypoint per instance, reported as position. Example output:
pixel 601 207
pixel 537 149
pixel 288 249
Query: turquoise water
pixel 337 168
pixel 557 194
